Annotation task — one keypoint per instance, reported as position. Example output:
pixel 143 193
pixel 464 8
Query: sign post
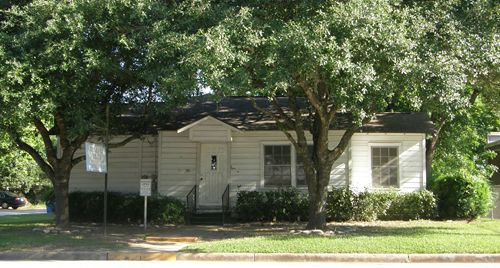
pixel 96 157
pixel 145 190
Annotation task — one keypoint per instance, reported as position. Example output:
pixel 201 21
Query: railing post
pixel 225 203
pixel 191 208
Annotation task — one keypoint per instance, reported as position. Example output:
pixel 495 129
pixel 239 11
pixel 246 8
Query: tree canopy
pixel 64 62
pixel 353 57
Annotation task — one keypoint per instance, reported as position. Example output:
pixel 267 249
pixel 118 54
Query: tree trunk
pixel 429 157
pixel 430 148
pixel 317 205
pixel 61 190
pixel 319 177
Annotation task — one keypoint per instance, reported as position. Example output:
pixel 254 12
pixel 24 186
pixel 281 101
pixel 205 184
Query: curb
pixel 60 256
pixel 341 257
pixel 254 257
pixel 141 256
pixel 171 239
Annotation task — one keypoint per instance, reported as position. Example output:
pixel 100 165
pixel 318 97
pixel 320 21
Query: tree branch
pixel 46 168
pixel 77 142
pixel 124 142
pixel 286 118
pixel 278 117
pixel 315 103
pixel 77 160
pixel 61 128
pixel 332 112
pixel 49 146
pixel 344 141
pixel 301 145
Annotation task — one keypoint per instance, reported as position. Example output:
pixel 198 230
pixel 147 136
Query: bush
pixel 371 206
pixel 462 197
pixel 289 205
pixel 250 206
pixel 340 204
pixel 412 206
pixel 88 207
pixel 344 205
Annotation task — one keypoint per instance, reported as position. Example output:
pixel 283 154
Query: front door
pixel 213 171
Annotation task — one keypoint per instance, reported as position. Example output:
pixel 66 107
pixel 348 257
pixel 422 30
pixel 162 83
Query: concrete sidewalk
pixel 252 257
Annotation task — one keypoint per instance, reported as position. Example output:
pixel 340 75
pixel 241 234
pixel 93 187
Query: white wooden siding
pixel 246 158
pixel 176 158
pixel 177 164
pixel 125 167
pixel 411 159
pixel 210 130
pixel 178 170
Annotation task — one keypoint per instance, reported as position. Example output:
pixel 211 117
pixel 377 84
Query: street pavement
pixel 183 264
pixel 12 212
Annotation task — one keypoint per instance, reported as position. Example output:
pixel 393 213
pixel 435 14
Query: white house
pixel 493 143
pixel 209 145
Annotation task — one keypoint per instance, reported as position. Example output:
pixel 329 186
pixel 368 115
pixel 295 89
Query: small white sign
pixel 145 189
pixel 95 157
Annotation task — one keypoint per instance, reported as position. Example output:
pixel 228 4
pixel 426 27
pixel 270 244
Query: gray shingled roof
pixel 240 113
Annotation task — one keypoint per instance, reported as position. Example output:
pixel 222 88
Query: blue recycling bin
pixel 51 206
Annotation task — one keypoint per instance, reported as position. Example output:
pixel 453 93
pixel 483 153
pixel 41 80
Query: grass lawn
pixel 481 236
pixel 16 235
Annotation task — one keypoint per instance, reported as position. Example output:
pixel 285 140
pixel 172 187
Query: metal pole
pixel 145 212
pixel 106 144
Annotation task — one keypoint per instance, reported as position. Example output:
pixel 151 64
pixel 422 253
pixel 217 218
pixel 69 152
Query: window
pixel 300 174
pixel 213 163
pixel 385 166
pixel 277 165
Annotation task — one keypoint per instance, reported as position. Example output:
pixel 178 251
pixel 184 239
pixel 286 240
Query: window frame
pixel 262 164
pixel 372 145
pixel 293 165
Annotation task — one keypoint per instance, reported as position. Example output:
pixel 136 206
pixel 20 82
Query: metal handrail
pixel 191 203
pixel 225 203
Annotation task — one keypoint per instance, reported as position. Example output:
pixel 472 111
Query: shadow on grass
pixel 26 220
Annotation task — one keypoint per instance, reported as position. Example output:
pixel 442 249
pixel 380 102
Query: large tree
pixel 459 61
pixel 331 58
pixel 64 62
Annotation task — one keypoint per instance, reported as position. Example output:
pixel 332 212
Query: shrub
pixel 370 206
pixel 88 207
pixel 340 204
pixel 250 206
pixel 412 206
pixel 462 197
pixel 285 205
pixel 282 204
pixel 345 205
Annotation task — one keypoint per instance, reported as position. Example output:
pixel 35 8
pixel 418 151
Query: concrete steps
pixel 206 218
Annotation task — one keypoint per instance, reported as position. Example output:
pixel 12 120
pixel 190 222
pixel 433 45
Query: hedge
pixel 342 205
pixel 284 204
pixel 124 208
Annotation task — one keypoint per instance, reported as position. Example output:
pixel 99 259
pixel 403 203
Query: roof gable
pixel 207 118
